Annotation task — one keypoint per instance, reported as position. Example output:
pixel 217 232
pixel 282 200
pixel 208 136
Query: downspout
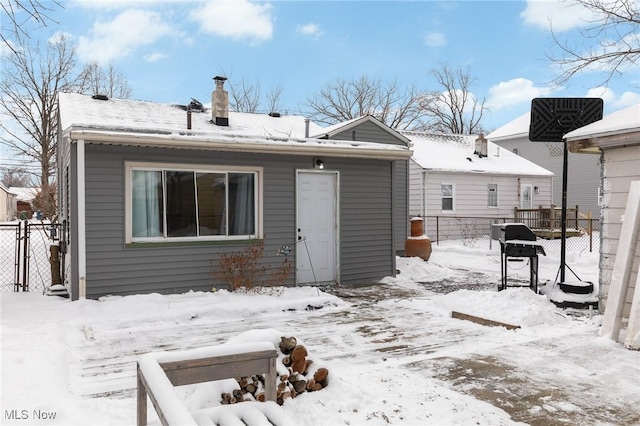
pixel 423 205
pixel 394 226
pixel 81 220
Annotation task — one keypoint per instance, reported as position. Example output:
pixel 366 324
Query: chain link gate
pixel 25 255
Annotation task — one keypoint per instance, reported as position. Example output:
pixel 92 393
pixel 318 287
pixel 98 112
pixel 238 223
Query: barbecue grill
pixel 517 242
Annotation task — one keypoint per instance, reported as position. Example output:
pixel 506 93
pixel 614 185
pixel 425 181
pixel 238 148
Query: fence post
pixel 25 258
pixel 437 230
pixel 16 259
pixel 590 235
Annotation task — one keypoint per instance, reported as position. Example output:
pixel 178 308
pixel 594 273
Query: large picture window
pixel 175 202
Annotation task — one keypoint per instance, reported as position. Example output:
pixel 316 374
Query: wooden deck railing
pixel 547 218
pixel 158 373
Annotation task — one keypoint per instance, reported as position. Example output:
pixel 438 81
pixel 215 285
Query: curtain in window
pixel 147 204
pixel 241 204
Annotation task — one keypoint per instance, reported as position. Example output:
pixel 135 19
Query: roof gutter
pixel 243 144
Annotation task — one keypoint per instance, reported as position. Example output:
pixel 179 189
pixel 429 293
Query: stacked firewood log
pixel 301 376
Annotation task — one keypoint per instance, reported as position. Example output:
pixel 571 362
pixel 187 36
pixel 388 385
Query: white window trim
pixel 453 197
pixel 208 168
pixel 497 196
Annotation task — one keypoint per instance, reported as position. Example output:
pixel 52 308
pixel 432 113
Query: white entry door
pixel 526 196
pixel 317 227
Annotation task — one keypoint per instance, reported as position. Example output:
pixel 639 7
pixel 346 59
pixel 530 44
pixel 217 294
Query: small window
pixel 447 197
pixel 492 195
pixel 176 202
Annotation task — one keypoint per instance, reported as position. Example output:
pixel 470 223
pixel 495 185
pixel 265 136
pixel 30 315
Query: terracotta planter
pixel 418 244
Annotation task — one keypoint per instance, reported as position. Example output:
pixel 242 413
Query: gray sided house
pixel 616 140
pixel 152 194
pixel 583 178
pixel 467 176
pixel 370 129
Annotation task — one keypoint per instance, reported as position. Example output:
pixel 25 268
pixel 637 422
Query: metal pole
pixel 25 266
pixel 563 218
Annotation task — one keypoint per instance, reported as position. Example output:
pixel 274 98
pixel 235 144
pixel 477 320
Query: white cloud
pixel 434 39
pixel 120 37
pixel 156 56
pixel 111 4
pixel 611 100
pixel 238 20
pixel 310 29
pixel 562 15
pixel 513 92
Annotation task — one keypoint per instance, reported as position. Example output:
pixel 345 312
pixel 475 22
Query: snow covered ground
pixel 394 353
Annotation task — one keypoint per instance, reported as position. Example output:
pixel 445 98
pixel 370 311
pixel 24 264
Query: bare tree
pixel 106 80
pixel 453 108
pixel 343 100
pixel 34 74
pixel 274 96
pixel 609 42
pixel 19 13
pixel 28 97
pixel 244 96
pixel 15 177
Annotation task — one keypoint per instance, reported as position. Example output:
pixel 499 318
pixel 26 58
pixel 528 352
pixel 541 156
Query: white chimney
pixel 220 103
pixel 481 146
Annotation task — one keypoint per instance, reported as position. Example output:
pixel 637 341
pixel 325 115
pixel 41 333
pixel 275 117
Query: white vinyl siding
pixel 583 176
pixel 471 193
pixel 620 169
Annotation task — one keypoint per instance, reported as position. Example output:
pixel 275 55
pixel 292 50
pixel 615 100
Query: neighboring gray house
pixel 153 193
pixel 8 204
pixel 583 185
pixel 466 176
pixel 616 140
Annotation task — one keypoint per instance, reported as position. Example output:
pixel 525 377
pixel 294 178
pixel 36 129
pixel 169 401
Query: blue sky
pixel 170 50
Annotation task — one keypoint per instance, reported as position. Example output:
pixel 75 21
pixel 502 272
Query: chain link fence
pixel 9 255
pixel 25 255
pixel 582 234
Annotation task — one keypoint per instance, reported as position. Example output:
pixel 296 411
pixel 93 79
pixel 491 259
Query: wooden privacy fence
pixel 158 373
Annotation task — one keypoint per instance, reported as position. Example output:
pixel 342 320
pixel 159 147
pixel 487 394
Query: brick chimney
pixel 481 146
pixel 220 103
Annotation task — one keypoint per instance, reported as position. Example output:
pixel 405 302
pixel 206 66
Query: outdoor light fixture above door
pixel 318 163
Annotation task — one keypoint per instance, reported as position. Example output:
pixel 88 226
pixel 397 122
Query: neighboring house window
pixel 187 202
pixel 447 197
pixel 492 195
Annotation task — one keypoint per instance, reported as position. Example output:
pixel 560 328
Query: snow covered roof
pixel 513 129
pixel 455 153
pixel 24 193
pixel 346 125
pixel 624 121
pixel 7 190
pixel 141 123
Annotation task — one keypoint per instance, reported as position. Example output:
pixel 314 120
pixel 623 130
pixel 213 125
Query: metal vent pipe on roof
pixel 306 127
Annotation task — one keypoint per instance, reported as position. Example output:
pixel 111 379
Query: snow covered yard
pixel 394 353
